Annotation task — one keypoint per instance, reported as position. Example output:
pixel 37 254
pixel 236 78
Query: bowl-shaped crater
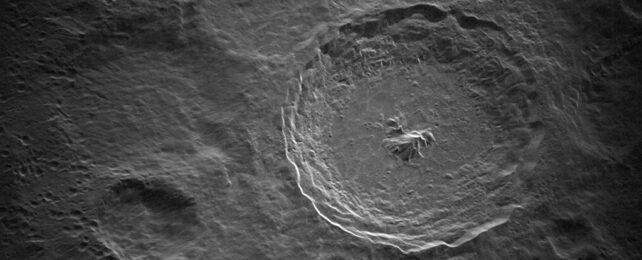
pixel 425 69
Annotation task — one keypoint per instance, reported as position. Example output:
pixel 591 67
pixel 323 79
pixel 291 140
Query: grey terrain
pixel 321 129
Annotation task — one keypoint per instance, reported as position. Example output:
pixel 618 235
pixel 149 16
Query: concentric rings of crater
pixel 435 69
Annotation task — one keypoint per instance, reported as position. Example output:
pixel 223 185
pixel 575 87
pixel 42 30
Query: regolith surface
pixel 196 129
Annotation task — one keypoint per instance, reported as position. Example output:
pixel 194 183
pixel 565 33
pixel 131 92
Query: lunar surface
pixel 339 129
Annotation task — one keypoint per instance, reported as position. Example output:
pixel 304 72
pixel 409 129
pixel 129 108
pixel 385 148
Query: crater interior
pixel 432 68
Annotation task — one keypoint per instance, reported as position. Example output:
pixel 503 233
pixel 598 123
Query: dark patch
pixel 573 227
pixel 178 147
pixel 155 195
pixel 335 48
pixel 537 125
pixel 472 22
pixel 373 25
pixel 110 257
pixel 244 4
pixel 589 255
pixel 164 198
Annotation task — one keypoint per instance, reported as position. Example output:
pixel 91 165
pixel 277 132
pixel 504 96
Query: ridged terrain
pixel 435 68
pixel 239 129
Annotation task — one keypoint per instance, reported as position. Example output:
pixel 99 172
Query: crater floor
pixel 433 69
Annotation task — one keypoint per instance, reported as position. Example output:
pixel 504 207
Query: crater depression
pixel 429 68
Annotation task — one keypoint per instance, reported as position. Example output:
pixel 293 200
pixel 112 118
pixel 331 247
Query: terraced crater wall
pixel 438 69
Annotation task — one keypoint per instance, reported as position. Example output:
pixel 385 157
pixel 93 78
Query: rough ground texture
pixel 193 129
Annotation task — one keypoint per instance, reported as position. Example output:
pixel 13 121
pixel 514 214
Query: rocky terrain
pixel 194 129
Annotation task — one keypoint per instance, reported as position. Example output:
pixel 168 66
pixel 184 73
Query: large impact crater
pixel 453 74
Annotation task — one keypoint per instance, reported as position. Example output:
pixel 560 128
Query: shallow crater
pixel 149 218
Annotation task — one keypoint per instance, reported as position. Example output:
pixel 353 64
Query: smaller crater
pixel 148 217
